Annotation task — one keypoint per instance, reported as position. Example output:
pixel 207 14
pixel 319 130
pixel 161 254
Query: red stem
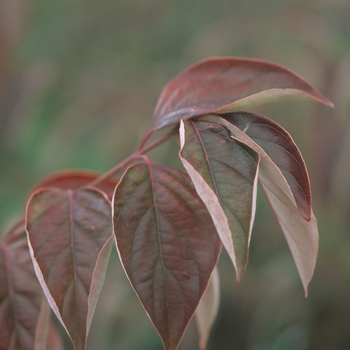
pixel 140 150
pixel 145 139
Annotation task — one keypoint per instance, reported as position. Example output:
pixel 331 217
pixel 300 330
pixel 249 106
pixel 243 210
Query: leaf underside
pixel 228 84
pixel 282 150
pixel 284 180
pixel 167 243
pixel 301 235
pixel 224 172
pixel 70 232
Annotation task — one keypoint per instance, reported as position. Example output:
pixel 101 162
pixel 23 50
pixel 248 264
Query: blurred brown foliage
pixel 78 84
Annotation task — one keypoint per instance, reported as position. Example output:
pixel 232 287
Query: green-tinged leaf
pixel 224 172
pixel 228 84
pixel 70 237
pixel 20 292
pixel 282 150
pixel 73 179
pixel 167 243
pixel 301 235
pixel 208 309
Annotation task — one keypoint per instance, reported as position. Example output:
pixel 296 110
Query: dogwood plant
pixel 167 224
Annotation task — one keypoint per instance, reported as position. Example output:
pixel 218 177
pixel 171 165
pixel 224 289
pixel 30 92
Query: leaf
pixel 54 339
pixel 228 84
pixel 167 243
pixel 46 333
pixel 20 292
pixel 208 309
pixel 301 235
pixel 73 179
pixel 224 172
pixel 70 237
pixel 282 150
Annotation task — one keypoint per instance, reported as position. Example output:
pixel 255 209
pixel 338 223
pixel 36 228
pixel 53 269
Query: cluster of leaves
pixel 168 224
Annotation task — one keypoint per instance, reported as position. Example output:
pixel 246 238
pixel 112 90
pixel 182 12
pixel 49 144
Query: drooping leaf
pixel 73 179
pixel 207 309
pixel 167 243
pixel 282 150
pixel 20 292
pixel 70 237
pixel 301 235
pixel 224 172
pixel 228 84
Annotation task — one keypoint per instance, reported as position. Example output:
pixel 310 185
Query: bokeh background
pixel 79 80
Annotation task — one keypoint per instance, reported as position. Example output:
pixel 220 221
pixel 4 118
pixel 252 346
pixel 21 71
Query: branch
pixel 141 149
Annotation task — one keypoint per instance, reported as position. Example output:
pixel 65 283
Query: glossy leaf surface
pixel 227 84
pixel 224 172
pixel 73 179
pixel 70 235
pixel 282 150
pixel 167 243
pixel 301 234
pixel 208 309
pixel 20 292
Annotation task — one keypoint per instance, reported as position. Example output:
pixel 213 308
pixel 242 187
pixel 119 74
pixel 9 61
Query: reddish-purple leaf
pixel 227 84
pixel 20 292
pixel 207 309
pixel 70 236
pixel 167 243
pixel 301 235
pixel 73 179
pixel 47 336
pixel 280 147
pixel 224 172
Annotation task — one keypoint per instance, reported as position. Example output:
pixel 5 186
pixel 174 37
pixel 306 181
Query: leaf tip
pixel 203 346
pixel 324 100
pixel 306 291
pixel 328 103
pixel 306 214
pixel 238 277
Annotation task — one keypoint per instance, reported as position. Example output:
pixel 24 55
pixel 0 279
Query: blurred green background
pixel 79 80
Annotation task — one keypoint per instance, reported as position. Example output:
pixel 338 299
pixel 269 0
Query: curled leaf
pixel 70 237
pixel 224 172
pixel 301 234
pixel 167 243
pixel 282 150
pixel 228 84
